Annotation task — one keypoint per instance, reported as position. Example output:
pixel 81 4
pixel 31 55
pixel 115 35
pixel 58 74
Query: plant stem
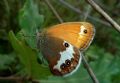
pixel 104 14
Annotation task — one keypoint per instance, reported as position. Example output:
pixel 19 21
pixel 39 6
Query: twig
pixel 70 6
pixel 104 14
pixel 88 10
pixel 92 75
pixel 80 12
pixel 90 72
pixel 54 11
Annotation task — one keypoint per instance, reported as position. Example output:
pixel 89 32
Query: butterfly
pixel 62 44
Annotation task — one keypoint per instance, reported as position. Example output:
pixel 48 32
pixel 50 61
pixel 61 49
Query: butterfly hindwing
pixel 63 57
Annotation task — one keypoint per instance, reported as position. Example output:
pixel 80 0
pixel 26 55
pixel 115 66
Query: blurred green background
pixel 103 55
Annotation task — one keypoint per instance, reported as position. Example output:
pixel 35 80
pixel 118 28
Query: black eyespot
pixel 63 66
pixel 66 45
pixel 85 31
pixel 68 62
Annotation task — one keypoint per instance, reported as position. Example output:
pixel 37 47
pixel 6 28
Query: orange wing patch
pixel 79 34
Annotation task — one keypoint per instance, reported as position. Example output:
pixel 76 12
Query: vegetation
pixel 18 53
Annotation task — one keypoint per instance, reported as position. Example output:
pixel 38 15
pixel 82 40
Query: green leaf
pixel 28 58
pixel 104 65
pixel 116 77
pixel 6 61
pixel 30 21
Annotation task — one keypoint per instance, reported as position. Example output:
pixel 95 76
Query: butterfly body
pixel 61 45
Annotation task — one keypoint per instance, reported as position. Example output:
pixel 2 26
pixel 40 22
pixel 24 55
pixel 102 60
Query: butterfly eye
pixel 63 66
pixel 68 62
pixel 66 44
pixel 85 31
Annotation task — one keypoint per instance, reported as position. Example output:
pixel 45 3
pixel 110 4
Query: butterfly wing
pixel 79 34
pixel 63 58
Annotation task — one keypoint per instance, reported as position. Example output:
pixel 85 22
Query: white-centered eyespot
pixel 66 44
pixel 68 62
pixel 63 66
pixel 85 31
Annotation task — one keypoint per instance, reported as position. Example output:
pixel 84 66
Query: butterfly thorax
pixel 40 38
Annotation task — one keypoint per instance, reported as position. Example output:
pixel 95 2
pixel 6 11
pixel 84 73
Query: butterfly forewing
pixel 79 34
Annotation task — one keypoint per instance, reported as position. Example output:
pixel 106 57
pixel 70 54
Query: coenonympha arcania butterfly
pixel 62 44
